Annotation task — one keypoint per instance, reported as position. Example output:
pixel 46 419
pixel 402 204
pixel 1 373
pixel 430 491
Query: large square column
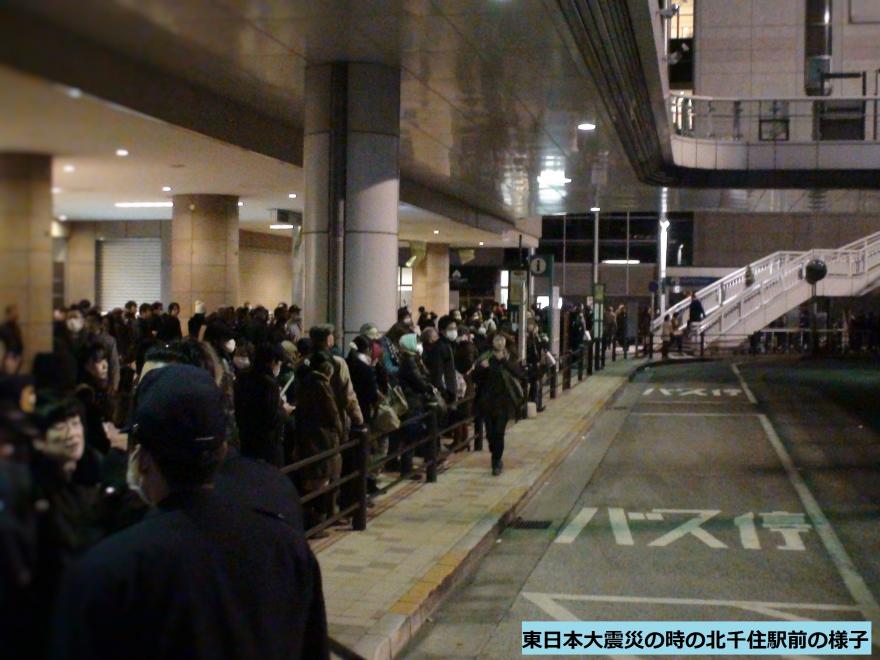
pixel 431 280
pixel 204 252
pixel 26 246
pixel 352 181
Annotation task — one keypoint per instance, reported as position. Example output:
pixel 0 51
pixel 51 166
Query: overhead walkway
pixel 750 298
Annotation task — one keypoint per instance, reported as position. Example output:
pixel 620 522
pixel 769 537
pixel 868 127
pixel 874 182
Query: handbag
pixel 397 400
pixel 514 388
pixel 438 401
pixel 386 419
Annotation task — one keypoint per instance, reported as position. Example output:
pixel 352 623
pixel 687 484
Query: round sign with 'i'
pixel 538 266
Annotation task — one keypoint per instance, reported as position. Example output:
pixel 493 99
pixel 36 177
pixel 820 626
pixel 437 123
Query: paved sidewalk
pixel 382 583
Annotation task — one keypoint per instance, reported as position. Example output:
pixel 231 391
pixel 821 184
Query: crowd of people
pixel 132 414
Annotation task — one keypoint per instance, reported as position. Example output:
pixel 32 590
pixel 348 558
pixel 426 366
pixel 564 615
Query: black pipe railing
pixel 351 486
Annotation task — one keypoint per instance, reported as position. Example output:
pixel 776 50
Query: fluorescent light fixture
pixel 550 178
pixel 166 188
pixel 122 153
pixel 144 205
pixel 481 243
pixel 595 209
pixel 281 226
pixel 436 231
pixel 291 195
pixel 69 168
pixel 241 203
pixel 587 126
pixel 74 92
pixel 621 262
pixel 56 190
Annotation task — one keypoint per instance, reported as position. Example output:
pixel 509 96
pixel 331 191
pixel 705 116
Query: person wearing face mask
pixel 499 395
pixel 243 357
pixel 441 363
pixel 205 575
pixel 220 338
pixel 259 411
pixel 98 402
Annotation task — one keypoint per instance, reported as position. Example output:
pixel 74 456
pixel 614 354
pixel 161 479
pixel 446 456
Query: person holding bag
pixel 499 395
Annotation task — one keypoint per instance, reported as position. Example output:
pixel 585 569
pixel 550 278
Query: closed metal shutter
pixel 128 269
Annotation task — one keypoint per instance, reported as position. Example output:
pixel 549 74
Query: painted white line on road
pixel 620 527
pixel 691 414
pixel 854 582
pixel 576 526
pixel 537 597
pixel 745 386
pixel 850 575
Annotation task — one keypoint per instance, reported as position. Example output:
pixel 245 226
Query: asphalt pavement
pixel 704 491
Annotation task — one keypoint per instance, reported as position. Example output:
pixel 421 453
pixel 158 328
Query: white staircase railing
pixel 736 307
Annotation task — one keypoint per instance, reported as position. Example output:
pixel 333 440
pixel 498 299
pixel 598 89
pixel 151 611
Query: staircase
pixel 736 308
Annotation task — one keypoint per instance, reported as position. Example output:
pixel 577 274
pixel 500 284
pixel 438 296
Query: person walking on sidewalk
pixel 500 395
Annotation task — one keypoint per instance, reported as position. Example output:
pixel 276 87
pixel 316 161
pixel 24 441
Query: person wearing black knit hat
pixel 205 575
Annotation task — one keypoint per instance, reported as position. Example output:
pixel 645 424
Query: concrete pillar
pixel 80 268
pixel 352 182
pixel 431 280
pixel 26 246
pixel 204 252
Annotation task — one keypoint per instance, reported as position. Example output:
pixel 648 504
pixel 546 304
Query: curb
pixel 393 632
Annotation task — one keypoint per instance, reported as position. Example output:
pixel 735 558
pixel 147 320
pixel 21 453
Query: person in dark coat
pixel 363 377
pixel 197 322
pixel 497 401
pixel 204 576
pixel 170 330
pixel 259 412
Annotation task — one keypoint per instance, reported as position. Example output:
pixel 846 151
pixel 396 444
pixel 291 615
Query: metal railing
pixel 351 486
pixel 757 120
pixel 765 289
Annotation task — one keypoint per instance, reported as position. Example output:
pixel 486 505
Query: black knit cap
pixel 179 412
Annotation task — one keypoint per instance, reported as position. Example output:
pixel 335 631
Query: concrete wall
pixel 756 47
pixel 735 239
pixel 265 268
pixel 265 263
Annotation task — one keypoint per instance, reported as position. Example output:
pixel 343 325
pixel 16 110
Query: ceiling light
pixel 621 262
pixel 436 231
pixel 144 205
pixel 166 188
pixel 74 92
pixel 587 126
pixel 55 190
pixel 62 218
pixel 595 209
pixel 281 226
pixel 69 168
pixel 241 203
pixel 291 195
pixel 481 243
pixel 122 153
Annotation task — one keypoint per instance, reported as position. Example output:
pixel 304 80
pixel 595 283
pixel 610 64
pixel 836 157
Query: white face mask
pixel 420 349
pixel 276 370
pixel 452 335
pixel 241 362
pixel 75 324
pixel 133 477
pixel 229 346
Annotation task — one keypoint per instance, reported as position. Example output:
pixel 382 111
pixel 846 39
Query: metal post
pixel 359 519
pixel 581 363
pixel 626 288
pixel 702 343
pixel 590 357
pixel 432 450
pixel 564 239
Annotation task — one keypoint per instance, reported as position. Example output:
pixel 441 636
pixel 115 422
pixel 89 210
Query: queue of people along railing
pixel 351 486
pixel 750 298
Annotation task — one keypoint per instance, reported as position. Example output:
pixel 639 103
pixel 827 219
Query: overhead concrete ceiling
pixel 492 91
pixel 83 133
